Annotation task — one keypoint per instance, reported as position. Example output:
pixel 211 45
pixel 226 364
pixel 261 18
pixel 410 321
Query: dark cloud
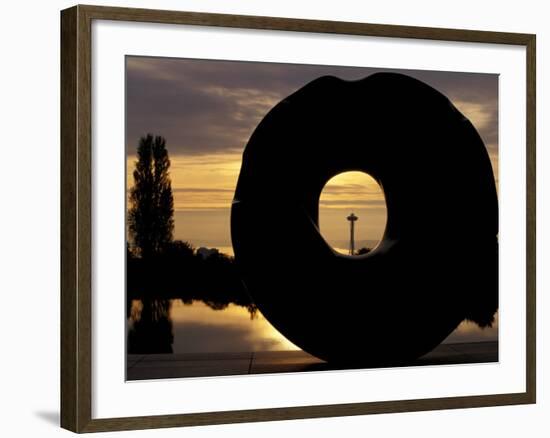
pixel 489 132
pixel 205 106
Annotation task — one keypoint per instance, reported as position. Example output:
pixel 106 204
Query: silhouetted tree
pixel 150 218
pixel 179 250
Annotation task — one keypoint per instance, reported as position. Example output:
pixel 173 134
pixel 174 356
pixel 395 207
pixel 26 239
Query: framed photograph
pixel 268 218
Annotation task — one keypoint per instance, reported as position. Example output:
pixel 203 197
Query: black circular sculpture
pixel 437 263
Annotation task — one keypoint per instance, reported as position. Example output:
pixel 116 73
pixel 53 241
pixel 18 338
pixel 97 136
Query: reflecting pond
pixel 166 326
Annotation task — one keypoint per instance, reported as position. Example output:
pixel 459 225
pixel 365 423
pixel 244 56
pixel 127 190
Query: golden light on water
pixel 258 332
pixel 199 328
pixel 233 323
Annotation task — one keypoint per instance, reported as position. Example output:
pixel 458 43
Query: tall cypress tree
pixel 151 213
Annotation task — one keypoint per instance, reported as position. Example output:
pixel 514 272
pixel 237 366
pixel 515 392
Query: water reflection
pixel 166 326
pixel 150 327
pixel 197 327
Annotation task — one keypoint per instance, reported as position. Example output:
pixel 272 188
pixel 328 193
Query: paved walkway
pixel 162 366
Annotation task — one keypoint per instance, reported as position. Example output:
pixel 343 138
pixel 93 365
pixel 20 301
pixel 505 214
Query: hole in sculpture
pixel 352 213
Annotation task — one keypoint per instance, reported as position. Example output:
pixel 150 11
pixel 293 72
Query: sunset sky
pixel 207 111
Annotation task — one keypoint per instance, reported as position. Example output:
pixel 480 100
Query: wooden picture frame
pixel 76 218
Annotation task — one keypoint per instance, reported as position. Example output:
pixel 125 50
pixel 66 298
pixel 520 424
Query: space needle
pixel 352 218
